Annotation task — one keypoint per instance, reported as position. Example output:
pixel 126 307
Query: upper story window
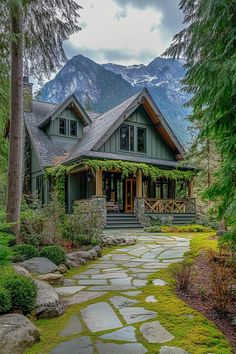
pixel 141 139
pixel 73 128
pixel 127 137
pixel 62 126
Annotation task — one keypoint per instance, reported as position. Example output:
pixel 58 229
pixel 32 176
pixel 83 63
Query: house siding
pixel 157 148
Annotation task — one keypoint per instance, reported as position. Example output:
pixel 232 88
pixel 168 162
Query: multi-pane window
pixel 62 126
pixel 73 128
pixel 39 188
pixel 141 135
pixel 127 137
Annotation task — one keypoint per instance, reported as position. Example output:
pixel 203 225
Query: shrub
pixel 221 286
pixel 228 242
pixel 84 226
pixel 5 300
pixel 153 229
pixel 56 254
pixel 185 228
pixel 22 290
pixel 23 252
pixel 182 274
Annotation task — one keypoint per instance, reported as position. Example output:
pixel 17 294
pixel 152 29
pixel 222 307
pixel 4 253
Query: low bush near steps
pixel 181 229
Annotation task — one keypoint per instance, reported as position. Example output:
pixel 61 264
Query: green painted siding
pixel 156 146
pixel 53 128
pixel 79 187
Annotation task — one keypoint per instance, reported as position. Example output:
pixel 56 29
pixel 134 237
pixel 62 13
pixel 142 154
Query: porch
pixel 135 195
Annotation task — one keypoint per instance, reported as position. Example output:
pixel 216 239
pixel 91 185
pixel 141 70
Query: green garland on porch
pixel 59 172
pixel 127 168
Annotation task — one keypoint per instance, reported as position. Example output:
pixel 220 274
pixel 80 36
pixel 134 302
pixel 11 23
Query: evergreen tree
pixel 208 44
pixel 32 33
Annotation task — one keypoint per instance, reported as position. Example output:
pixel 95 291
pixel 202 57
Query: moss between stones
pixel 197 335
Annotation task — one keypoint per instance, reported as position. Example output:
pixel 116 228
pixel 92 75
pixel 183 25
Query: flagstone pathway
pixel 123 272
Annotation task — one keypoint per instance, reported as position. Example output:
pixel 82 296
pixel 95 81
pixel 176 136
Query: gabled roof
pixel 71 102
pixel 98 128
pixel 105 125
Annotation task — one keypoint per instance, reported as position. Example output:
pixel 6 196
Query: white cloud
pixel 113 29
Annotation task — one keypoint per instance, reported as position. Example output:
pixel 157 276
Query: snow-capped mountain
pixel 101 87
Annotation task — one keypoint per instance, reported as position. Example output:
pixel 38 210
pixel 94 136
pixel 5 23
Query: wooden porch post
pixel 99 182
pixel 139 184
pixel 190 189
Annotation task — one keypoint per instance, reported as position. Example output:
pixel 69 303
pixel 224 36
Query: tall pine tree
pixel 34 31
pixel 208 43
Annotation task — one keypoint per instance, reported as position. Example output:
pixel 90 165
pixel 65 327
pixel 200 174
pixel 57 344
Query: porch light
pixel 89 177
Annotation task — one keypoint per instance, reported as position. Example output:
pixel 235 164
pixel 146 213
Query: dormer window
pixel 62 126
pixel 73 128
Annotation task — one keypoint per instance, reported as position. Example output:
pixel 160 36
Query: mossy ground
pixel 193 333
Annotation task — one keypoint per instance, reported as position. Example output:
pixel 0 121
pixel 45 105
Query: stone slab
pixel 130 348
pixel 113 275
pixel 139 282
pixel 92 282
pixel 120 301
pixel 136 314
pixel 125 334
pixel 150 298
pixel 68 290
pixel 82 345
pixel 121 281
pixel 159 282
pixel 83 296
pixel 154 332
pixel 132 293
pixel 73 326
pixel 100 317
pixel 111 287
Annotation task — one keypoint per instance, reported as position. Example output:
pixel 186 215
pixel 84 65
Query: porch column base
pixel 100 203
pixel 139 209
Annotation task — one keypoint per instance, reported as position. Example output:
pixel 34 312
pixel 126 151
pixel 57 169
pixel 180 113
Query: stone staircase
pixel 122 221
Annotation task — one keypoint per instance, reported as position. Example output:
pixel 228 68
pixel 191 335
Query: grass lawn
pixel 192 331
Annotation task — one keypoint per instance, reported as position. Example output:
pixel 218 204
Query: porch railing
pixel 153 205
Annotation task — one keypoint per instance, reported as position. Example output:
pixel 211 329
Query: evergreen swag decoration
pixel 58 173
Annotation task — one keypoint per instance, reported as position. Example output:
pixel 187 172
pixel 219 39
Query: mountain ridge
pixel 102 86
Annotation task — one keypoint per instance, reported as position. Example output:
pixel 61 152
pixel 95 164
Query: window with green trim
pixel 127 137
pixel 141 139
pixel 73 128
pixel 62 126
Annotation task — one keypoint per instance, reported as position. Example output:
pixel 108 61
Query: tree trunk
pixel 15 139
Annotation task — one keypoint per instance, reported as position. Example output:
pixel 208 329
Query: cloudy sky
pixel 125 31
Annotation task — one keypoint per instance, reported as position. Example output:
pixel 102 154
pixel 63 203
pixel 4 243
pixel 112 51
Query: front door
pixel 130 193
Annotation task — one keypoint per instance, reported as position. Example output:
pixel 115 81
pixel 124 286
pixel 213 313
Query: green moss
pixel 197 335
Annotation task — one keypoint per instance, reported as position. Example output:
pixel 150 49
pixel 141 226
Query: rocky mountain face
pixel 101 87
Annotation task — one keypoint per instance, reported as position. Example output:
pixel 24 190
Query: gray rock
pixel 76 256
pixel 159 282
pixel 22 271
pixel 47 301
pixel 151 298
pixel 120 301
pixel 83 296
pixel 68 290
pixel 17 334
pixel 136 314
pixel 126 334
pixel 130 348
pixel 82 345
pixel 62 268
pixel 98 250
pixel 154 332
pixel 73 327
pixel 133 293
pixel 38 265
pixel 172 350
pixel 100 317
pixel 52 278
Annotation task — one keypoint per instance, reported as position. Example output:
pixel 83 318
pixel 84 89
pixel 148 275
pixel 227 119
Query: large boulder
pixel 39 265
pixel 17 334
pixel 52 278
pixel 48 304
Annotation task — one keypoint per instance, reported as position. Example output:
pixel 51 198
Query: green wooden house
pixel 127 160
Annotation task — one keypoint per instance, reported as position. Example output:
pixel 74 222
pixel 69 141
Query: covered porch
pixel 133 194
